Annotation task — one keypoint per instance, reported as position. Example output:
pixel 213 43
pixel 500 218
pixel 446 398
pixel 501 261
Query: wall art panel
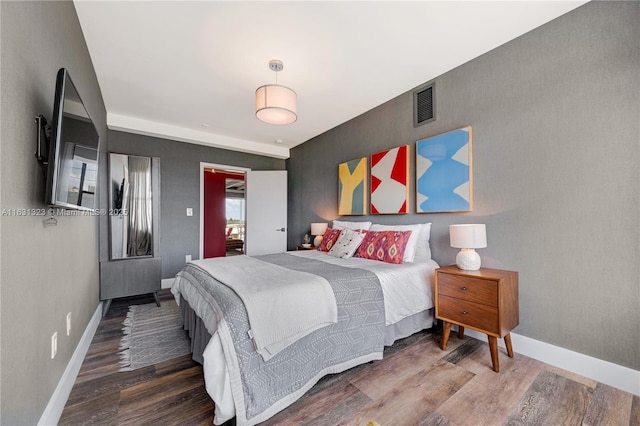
pixel 444 172
pixel 352 187
pixel 390 181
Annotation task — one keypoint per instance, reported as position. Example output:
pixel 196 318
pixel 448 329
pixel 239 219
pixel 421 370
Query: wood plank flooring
pixel 415 384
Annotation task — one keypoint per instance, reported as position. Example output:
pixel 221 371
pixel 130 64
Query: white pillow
pixel 423 250
pixel 410 249
pixel 346 244
pixel 354 226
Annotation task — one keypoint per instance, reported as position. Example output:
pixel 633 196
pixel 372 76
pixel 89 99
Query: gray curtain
pixel 140 238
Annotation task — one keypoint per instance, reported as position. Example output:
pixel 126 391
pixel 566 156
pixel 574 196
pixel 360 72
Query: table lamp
pixel 467 238
pixel 318 229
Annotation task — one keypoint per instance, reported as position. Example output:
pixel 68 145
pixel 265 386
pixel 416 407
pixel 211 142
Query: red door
pixel 214 219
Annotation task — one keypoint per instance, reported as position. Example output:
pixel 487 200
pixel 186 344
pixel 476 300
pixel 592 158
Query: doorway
pixel 222 210
pixel 264 230
pixel 234 213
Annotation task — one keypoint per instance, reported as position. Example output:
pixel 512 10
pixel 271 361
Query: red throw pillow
pixel 329 239
pixel 385 246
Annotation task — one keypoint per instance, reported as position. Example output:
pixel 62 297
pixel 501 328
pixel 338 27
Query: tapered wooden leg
pixel 460 332
pixel 507 343
pixel 105 307
pixel 493 347
pixel 445 335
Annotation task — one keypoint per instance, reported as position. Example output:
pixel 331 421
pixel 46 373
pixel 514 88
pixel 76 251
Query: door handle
pixel 281 229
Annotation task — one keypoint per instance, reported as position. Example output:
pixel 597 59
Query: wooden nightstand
pixel 484 300
pixel 301 247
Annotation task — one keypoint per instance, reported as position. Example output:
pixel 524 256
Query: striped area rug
pixel 152 334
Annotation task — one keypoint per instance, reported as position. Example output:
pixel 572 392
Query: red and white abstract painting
pixel 389 181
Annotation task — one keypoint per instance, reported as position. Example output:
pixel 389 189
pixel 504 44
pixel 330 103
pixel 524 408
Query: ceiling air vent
pixel 424 109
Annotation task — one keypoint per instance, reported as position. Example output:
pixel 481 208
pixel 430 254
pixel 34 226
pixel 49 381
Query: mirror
pixel 130 207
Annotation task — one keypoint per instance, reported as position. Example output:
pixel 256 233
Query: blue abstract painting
pixel 444 172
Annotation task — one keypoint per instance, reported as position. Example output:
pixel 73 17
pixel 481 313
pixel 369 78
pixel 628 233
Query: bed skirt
pixel 197 331
pixel 200 336
pixel 408 326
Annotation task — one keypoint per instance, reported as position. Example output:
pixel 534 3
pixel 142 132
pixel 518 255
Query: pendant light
pixel 276 104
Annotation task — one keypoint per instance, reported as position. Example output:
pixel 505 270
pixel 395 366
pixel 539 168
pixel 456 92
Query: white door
pixel 266 218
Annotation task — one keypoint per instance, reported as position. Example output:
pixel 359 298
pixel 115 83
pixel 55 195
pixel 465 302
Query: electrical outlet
pixel 54 345
pixel 69 324
pixel 187 258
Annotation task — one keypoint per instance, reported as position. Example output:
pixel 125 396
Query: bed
pixel 377 303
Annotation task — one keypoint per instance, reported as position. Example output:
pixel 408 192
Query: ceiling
pixel 188 71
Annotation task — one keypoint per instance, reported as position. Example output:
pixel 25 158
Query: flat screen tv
pixel 72 172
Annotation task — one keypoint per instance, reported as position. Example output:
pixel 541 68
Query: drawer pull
pixel 464 289
pixel 464 312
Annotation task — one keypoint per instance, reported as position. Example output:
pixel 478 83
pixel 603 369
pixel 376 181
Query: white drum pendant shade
pixel 276 104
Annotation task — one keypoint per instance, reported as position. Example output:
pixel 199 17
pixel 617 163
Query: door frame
pixel 204 165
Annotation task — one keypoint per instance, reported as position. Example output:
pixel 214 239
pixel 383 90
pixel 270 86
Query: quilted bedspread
pixel 262 388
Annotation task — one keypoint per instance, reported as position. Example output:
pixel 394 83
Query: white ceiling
pixel 189 70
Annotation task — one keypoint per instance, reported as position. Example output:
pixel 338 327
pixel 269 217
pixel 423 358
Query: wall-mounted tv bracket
pixel 42 127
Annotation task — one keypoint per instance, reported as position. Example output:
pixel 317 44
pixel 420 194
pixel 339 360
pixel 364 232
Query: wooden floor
pixel 415 384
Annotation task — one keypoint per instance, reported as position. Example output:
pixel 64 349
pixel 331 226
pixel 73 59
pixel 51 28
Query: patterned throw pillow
pixel 347 244
pixel 329 239
pixel 385 246
pixel 410 250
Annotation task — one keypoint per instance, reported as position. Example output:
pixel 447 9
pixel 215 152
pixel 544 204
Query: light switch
pixel 189 211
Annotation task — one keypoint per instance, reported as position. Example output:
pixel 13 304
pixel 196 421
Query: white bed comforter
pixel 407 289
pixel 282 312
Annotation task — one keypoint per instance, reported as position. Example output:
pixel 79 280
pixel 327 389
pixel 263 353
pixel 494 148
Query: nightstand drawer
pixel 469 314
pixel 468 288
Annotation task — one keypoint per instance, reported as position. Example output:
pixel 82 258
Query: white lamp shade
pixel 468 236
pixel 318 228
pixel 276 104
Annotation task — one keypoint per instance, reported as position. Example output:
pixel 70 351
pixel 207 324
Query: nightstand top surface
pixel 482 272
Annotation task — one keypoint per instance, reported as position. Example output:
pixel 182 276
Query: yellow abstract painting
pixel 352 187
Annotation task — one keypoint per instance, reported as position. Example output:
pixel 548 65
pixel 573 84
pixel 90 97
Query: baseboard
pixel 602 371
pixel 53 411
pixel 167 282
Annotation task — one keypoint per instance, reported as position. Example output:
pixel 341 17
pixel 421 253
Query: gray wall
pixel 180 188
pixel 45 272
pixel 555 117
